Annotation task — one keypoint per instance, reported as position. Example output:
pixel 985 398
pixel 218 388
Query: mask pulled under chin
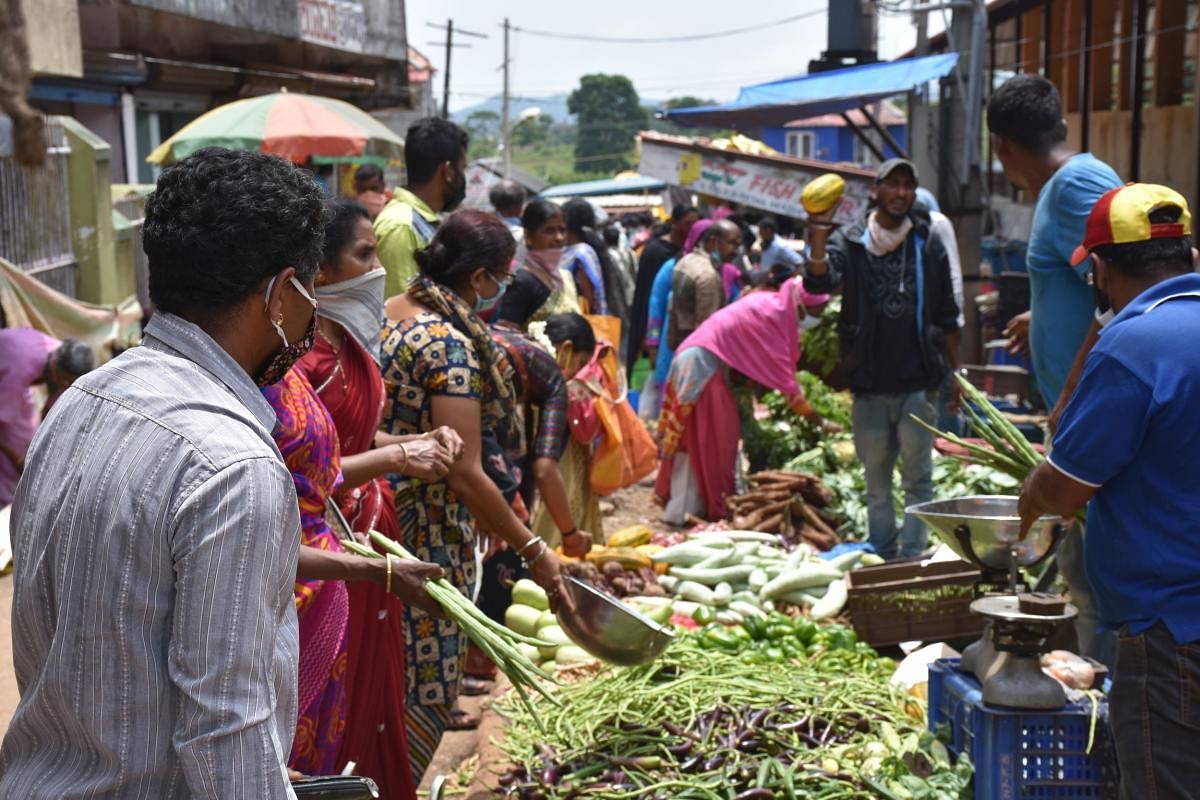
pixel 287 355
pixel 358 306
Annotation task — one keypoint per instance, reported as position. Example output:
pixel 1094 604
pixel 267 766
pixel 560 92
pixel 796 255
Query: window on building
pixel 862 154
pixel 802 144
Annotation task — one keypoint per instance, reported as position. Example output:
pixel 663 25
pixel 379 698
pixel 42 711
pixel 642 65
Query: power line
pixel 694 37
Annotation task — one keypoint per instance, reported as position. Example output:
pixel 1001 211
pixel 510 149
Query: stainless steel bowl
pixel 983 530
pixel 610 630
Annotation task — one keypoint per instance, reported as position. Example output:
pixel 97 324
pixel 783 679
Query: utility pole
pixel 446 76
pixel 450 44
pixel 506 126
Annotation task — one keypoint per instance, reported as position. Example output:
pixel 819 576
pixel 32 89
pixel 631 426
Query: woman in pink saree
pixel 699 428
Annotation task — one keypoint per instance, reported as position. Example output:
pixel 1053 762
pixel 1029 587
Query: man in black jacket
pixel 898 332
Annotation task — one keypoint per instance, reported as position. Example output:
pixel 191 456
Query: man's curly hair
pixel 221 221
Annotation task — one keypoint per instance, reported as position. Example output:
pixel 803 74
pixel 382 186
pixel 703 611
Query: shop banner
pixel 769 183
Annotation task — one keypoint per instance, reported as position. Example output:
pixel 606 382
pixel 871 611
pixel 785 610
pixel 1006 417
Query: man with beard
pixel 898 331
pixel 435 156
pixel 657 252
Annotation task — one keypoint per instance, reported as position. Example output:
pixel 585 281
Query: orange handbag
pixel 624 452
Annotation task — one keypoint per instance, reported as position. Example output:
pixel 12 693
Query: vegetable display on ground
pixel 702 722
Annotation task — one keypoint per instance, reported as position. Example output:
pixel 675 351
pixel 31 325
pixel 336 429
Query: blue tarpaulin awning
pixel 606 186
pixel 779 102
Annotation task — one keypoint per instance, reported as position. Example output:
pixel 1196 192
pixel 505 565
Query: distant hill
pixel 554 105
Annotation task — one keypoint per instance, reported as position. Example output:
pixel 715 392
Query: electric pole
pixel 450 44
pixel 506 126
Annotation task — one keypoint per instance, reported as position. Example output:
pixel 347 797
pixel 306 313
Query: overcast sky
pixel 714 68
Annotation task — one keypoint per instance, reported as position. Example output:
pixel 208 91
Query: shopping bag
pixel 624 452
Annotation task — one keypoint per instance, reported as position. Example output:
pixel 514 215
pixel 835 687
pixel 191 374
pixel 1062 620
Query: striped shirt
pixel 155 533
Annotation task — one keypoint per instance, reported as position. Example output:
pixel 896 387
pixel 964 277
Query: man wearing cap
pixel 1127 442
pixel 898 332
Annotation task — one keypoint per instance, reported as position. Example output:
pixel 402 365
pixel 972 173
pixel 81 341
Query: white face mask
pixel 358 306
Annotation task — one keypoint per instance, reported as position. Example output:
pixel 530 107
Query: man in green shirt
pixel 435 155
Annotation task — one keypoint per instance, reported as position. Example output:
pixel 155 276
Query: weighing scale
pixel 1007 658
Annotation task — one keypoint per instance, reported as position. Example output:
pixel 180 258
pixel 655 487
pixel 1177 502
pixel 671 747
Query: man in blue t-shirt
pixel 1127 442
pixel 1029 137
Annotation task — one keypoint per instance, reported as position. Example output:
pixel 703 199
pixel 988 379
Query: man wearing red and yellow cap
pixel 1127 442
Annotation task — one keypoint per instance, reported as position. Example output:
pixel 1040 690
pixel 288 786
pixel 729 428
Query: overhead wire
pixel 691 37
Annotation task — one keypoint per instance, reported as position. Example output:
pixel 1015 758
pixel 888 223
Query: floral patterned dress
pixel 424 357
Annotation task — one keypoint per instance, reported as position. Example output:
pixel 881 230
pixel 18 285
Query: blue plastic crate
pixel 1022 754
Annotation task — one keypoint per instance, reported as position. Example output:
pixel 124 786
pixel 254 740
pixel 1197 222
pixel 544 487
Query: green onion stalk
pixel 495 640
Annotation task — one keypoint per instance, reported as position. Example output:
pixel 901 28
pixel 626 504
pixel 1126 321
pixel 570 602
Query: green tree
pixel 484 129
pixel 609 116
pixel 532 130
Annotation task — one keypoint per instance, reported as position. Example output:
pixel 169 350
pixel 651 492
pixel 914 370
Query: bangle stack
pixel 541 553
pixel 404 452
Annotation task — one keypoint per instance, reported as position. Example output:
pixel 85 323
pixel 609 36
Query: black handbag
pixel 336 787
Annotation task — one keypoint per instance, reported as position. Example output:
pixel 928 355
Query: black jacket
pixel 847 270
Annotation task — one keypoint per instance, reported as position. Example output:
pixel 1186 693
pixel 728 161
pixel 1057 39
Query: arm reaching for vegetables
pixel 576 543
pixel 468 480
pixel 407 577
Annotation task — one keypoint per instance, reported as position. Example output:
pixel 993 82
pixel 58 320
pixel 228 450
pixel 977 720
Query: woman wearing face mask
pixel 308 442
pixel 759 336
pixel 441 368
pixel 574 346
pixel 540 286
pixel 343 370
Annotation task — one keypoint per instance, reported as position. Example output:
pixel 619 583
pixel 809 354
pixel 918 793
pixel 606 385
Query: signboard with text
pixel 334 23
pixel 768 183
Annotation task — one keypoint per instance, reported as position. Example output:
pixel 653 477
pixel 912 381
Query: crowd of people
pixel 187 621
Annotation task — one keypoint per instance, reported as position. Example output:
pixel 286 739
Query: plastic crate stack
pixel 1022 753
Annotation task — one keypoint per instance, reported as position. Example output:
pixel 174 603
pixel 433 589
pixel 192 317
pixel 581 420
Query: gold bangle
pixel 524 547
pixel 403 451
pixel 388 584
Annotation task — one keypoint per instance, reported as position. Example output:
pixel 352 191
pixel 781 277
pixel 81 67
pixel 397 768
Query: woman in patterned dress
pixel 440 367
pixel 343 369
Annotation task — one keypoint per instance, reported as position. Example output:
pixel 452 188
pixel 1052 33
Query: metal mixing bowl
pixel 983 530
pixel 610 630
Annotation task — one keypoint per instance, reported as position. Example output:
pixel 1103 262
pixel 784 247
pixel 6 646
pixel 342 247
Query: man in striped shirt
pixel 155 528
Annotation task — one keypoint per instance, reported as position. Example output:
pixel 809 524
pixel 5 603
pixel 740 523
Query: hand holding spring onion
pixel 496 641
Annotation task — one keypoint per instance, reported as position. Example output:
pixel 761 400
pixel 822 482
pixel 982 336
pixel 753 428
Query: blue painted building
pixel 829 138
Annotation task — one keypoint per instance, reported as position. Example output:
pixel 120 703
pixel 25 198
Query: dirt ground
pixel 8 679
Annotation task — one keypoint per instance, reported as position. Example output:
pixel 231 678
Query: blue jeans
pixel 1154 711
pixel 884 431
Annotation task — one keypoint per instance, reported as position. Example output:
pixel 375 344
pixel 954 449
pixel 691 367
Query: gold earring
pixel 279 320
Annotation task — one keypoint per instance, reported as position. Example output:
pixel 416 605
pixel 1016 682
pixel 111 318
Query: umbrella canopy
pixel 293 126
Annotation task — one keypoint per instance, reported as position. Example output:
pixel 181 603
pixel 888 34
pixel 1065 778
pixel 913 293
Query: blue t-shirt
pixel 1062 302
pixel 1132 429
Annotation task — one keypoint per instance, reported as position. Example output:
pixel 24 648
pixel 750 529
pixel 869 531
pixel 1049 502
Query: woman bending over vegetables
pixel 759 336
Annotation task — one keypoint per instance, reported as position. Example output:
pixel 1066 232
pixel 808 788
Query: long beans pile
pixel 699 723
pixel 1008 450
pixel 497 641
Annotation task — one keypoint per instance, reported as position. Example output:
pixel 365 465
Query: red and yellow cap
pixel 1122 216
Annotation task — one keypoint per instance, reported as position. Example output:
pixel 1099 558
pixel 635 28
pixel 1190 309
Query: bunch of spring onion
pixel 496 641
pixel 1008 451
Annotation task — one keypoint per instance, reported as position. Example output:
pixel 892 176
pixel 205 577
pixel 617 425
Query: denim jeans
pixel 884 431
pixel 1154 710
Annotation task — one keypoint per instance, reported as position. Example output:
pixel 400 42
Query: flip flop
pixel 462 721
